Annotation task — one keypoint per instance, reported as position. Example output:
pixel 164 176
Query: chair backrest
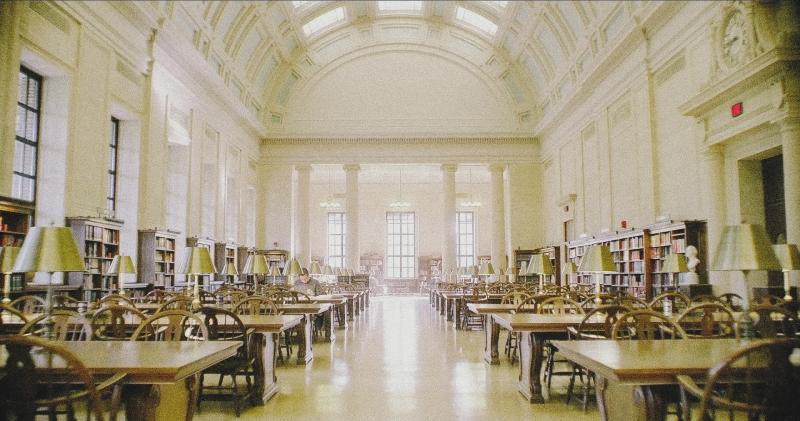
pixel 10 315
pixel 223 325
pixel 771 322
pixel 156 296
pixel 64 301
pixel 708 320
pixel 514 297
pixel 231 297
pixel 116 300
pixel 632 302
pixel 34 387
pixel 591 301
pixel 706 298
pixel 29 304
pixel 609 314
pixel 115 323
pixel 733 301
pixel 60 325
pixel 256 305
pixel 559 305
pixel 181 302
pixel 758 381
pixel 207 297
pixel 680 302
pixel 646 324
pixel 171 325
pixel 768 300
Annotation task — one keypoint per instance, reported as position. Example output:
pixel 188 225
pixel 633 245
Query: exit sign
pixel 736 109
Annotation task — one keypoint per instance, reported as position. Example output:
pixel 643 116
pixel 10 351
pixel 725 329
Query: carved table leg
pixel 305 351
pixel 160 402
pixel 650 405
pixel 341 315
pixel 492 336
pixel 350 308
pixel 327 326
pixel 623 402
pixel 530 367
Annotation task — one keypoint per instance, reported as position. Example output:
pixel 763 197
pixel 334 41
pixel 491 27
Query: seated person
pixel 307 284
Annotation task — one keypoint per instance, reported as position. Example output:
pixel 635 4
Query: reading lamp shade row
pixel 788 255
pixel 293 268
pixel 230 269
pixel 49 249
pixel 8 255
pixel 256 264
pixel 121 264
pixel 197 261
pixel 540 265
pixel 745 247
pixel 569 268
pixel 675 263
pixel 315 269
pixel 597 260
pixel 487 268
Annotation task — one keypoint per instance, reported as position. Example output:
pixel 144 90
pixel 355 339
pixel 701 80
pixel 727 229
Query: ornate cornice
pixel 298 141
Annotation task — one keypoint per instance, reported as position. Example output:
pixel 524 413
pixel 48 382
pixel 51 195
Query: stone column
pixel 498 217
pixel 449 242
pixel 790 140
pixel 713 170
pixel 300 242
pixel 352 245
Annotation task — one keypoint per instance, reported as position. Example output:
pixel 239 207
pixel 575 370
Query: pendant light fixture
pixel 471 203
pixel 400 203
pixel 330 201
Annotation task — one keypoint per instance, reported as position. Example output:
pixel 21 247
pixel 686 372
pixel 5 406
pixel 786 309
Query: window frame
pixel 113 174
pixel 336 252
pixel 33 143
pixel 406 239
pixel 465 260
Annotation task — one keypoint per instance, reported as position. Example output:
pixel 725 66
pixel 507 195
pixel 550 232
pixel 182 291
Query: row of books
pixel 98 250
pixel 165 243
pixel 94 233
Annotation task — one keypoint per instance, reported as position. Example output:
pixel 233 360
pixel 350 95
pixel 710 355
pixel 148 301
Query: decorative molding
pixel 298 141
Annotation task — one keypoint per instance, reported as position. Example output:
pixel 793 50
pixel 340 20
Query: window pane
pixel 33 93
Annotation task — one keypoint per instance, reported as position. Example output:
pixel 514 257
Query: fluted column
pixel 352 246
pixel 498 217
pixel 449 216
pixel 713 167
pixel 301 237
pixel 790 139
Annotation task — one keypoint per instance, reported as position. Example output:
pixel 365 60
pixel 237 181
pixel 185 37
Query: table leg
pixel 265 383
pixel 448 307
pixel 341 315
pixel 175 401
pixel 305 352
pixel 327 326
pixel 492 336
pixel 530 365
pixel 350 308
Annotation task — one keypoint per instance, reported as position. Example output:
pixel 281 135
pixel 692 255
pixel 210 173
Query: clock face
pixel 734 39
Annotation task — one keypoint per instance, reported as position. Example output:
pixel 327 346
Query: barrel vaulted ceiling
pixel 533 53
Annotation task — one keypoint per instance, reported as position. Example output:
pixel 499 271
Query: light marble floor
pixel 402 361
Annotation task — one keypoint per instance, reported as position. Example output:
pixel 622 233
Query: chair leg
pixel 237 406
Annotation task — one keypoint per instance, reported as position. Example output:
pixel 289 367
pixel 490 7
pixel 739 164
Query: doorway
pixel 774 206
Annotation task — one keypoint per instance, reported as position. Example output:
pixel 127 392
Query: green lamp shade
pixel 197 261
pixel 328 270
pixel 274 271
pixel 675 263
pixel 230 269
pixel 541 265
pixel 315 269
pixel 745 247
pixel 486 268
pixel 597 260
pixel 121 264
pixel 49 249
pixel 256 264
pixel 8 255
pixel 569 268
pixel 788 255
pixel 293 268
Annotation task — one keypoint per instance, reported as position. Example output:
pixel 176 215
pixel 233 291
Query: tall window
pixel 400 245
pixel 113 148
pixel 466 238
pixel 27 135
pixel 336 229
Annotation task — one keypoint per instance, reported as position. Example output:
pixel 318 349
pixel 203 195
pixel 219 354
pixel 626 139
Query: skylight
pixel 324 20
pixel 400 6
pixel 469 17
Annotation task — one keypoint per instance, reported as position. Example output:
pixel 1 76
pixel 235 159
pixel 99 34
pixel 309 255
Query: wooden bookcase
pixel 156 260
pixel 98 242
pixel 671 237
pixel 553 253
pixel 520 257
pixel 224 253
pixel 628 251
pixel 205 280
pixel 16 218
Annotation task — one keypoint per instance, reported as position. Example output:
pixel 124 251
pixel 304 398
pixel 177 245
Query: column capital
pixel 302 167
pixel 351 167
pixel 449 167
pixel 497 167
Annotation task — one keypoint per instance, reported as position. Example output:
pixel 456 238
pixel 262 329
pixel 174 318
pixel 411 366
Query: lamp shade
pixel 274 271
pixel 197 261
pixel 486 268
pixel 473 270
pixel 8 255
pixel 523 269
pixel 569 268
pixel 745 247
pixel 293 268
pixel 597 260
pixel 49 249
pixel 542 265
pixel 230 269
pixel 675 263
pixel 788 255
pixel 328 271
pixel 121 264
pixel 532 269
pixel 256 264
pixel 315 269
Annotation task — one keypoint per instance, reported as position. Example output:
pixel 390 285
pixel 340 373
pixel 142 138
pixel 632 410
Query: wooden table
pixel 305 352
pixel 267 330
pixel 339 304
pixel 626 371
pixel 490 328
pixel 161 376
pixel 535 329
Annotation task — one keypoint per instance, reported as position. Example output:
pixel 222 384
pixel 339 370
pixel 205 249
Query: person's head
pixel 304 275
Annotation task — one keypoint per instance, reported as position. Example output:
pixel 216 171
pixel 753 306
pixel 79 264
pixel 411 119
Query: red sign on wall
pixel 736 109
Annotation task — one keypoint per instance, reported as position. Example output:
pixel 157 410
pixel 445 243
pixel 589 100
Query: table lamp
pixel 486 270
pixel 674 264
pixel 597 261
pixel 274 272
pixel 293 269
pixel 50 250
pixel 315 269
pixel 473 272
pixel 542 267
pixel 8 255
pixel 197 261
pixel 523 268
pixel 569 269
pixel 120 265
pixel 328 271
pixel 256 264
pixel 230 271
pixel 789 257
pixel 745 248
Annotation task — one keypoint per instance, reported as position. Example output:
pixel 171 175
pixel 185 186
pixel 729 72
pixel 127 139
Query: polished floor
pixel 401 361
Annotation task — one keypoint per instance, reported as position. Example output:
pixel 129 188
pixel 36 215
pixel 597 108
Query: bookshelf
pixel 671 237
pixel 98 242
pixel 552 252
pixel 156 260
pixel 16 218
pixel 628 251
pixel 520 257
pixel 225 253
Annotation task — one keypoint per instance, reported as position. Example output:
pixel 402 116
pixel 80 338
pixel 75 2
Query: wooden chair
pixel 588 330
pixel 29 304
pixel 772 322
pixel 706 298
pixel 768 300
pixel 708 320
pixel 116 300
pixel 60 325
pixel 207 297
pixel 470 320
pixel 256 305
pixel 156 296
pixel 646 324
pixel 531 304
pixel 632 302
pixel 515 297
pixel 116 323
pixel 733 301
pixel 591 301
pixel 180 302
pixel 171 325
pixel 559 306
pixel 224 325
pixel 756 382
pixel 680 302
pixel 65 301
pixel 231 297
pixel 39 391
